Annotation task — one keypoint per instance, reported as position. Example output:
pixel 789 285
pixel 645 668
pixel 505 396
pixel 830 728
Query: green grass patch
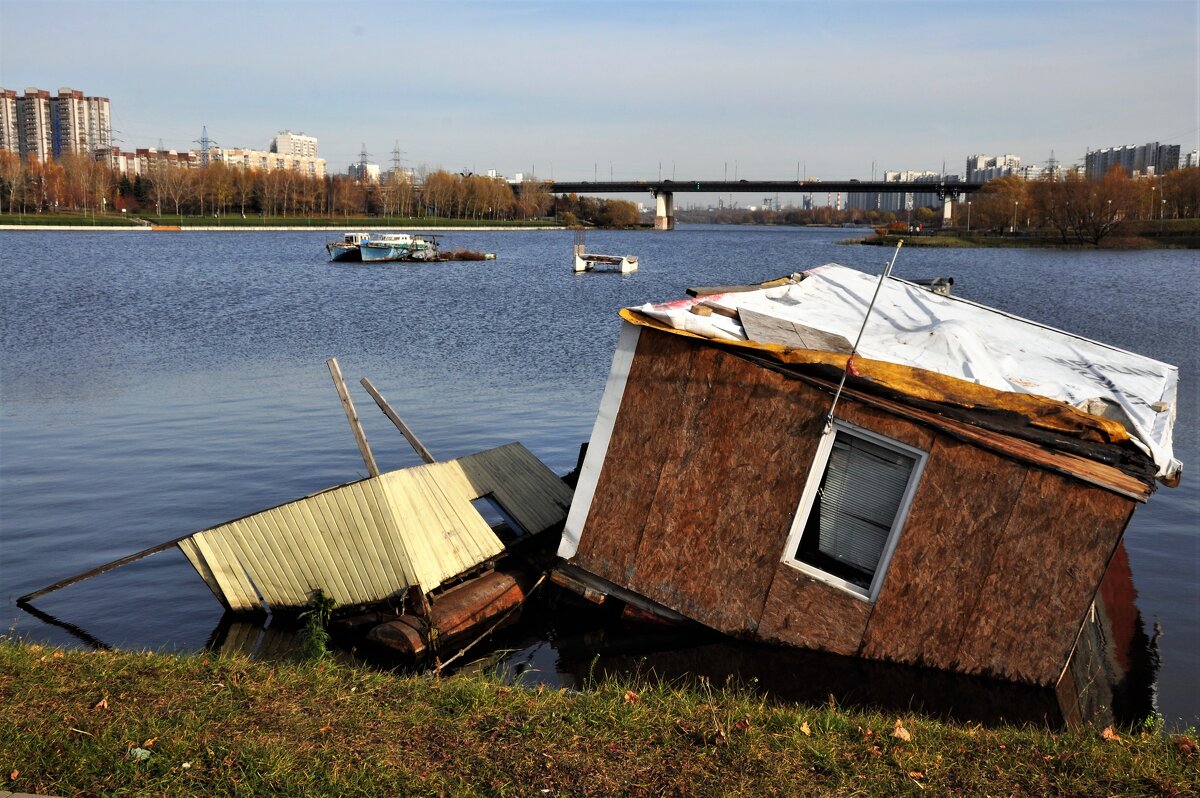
pixel 96 723
pixel 253 220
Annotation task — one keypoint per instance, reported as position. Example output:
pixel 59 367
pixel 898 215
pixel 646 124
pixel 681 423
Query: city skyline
pixel 572 91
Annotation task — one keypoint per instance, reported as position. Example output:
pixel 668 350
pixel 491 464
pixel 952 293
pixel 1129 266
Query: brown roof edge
pixel 1003 443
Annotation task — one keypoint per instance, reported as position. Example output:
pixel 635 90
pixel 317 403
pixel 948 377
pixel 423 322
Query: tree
pixel 997 205
pixel 12 176
pixel 1181 190
pixel 170 184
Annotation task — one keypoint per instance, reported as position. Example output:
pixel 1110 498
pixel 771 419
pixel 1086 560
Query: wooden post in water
pixel 352 416
pixel 400 425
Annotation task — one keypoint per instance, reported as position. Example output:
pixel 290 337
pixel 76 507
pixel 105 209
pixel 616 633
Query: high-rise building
pixel 8 121
pixel 47 126
pixel 289 143
pixel 982 168
pixel 1148 159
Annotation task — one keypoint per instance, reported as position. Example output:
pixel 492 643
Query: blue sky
pixel 576 89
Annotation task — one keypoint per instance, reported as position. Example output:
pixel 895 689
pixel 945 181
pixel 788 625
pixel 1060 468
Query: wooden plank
pixel 352 416
pixel 730 455
pixel 400 425
pixel 1048 564
pixel 800 611
pixel 960 508
pixel 708 290
pixel 772 330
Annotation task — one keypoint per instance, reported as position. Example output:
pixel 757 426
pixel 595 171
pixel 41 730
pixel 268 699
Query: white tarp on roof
pixel 951 336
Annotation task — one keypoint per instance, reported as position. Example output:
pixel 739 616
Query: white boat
pixel 348 248
pixel 399 246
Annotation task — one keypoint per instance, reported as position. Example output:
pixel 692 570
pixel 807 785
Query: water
pixel 156 384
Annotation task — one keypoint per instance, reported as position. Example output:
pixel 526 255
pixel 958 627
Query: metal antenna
pixel 887 271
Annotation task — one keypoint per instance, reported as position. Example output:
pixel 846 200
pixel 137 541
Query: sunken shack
pixel 957 509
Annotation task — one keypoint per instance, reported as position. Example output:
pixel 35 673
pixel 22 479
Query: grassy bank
pixel 145 724
pixel 253 220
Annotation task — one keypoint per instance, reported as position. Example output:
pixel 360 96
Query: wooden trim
pixel 1019 449
pixel 597 450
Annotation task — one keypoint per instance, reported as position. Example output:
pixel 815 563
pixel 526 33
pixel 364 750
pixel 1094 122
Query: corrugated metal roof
pixel 372 539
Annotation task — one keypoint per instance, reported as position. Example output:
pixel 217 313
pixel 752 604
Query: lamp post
pixel 968 217
pixel 1014 223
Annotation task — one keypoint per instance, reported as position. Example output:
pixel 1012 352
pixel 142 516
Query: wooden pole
pixel 99 570
pixel 400 425
pixel 352 416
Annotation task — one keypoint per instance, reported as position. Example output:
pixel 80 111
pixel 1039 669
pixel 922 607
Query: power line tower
pixel 397 157
pixel 205 145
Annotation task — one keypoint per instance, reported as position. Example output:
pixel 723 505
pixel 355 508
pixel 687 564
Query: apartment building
pixel 48 126
pixel 982 168
pixel 1147 159
pixel 298 144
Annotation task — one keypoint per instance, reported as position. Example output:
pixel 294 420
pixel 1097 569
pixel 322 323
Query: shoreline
pixel 267 229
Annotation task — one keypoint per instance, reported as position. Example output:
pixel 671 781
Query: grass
pixel 253 220
pixel 101 723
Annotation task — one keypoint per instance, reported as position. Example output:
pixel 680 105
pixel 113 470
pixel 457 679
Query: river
pixel 156 384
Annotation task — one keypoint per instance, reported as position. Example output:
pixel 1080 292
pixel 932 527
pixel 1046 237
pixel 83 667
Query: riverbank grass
pixel 150 724
pixel 235 221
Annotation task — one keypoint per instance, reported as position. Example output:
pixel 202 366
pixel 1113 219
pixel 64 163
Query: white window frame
pixel 809 496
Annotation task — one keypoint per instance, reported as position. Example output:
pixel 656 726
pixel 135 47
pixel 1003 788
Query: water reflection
pixel 562 642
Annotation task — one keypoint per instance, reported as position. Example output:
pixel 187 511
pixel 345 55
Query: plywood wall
pixel 992 574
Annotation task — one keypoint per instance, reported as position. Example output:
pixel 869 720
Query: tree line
pixel 1070 207
pixel 76 183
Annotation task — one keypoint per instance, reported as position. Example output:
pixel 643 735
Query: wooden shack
pixel 958 511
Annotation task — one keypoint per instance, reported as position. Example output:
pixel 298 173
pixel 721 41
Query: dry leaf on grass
pixel 805 730
pixel 1110 735
pixel 101 704
pixel 632 697
pixel 900 732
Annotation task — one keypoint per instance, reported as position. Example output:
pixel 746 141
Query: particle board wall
pixel 700 481
pixel 992 574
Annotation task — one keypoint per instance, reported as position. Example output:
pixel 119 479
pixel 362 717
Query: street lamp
pixel 968 217
pixel 1014 224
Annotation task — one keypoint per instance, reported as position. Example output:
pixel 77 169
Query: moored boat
pixel 399 246
pixel 347 250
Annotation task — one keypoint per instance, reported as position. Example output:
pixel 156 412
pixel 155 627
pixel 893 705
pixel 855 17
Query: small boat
pixel 347 250
pixel 399 246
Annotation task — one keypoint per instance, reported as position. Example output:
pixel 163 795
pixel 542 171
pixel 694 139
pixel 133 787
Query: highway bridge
pixel 664 190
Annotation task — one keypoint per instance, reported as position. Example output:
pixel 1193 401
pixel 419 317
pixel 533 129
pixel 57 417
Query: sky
pixel 633 90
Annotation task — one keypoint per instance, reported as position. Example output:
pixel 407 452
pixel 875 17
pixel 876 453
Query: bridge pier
pixel 664 218
pixel 948 211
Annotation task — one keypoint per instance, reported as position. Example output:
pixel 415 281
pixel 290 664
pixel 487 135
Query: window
pixel 852 509
pixel 502 523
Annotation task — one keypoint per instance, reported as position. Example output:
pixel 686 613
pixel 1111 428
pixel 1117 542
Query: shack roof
pixel 814 317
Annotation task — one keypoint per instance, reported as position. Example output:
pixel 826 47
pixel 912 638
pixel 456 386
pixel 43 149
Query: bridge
pixel 664 190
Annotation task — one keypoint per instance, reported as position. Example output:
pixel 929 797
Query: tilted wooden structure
pixel 710 478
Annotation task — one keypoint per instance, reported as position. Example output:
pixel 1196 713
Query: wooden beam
pixel 352 416
pixel 400 425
